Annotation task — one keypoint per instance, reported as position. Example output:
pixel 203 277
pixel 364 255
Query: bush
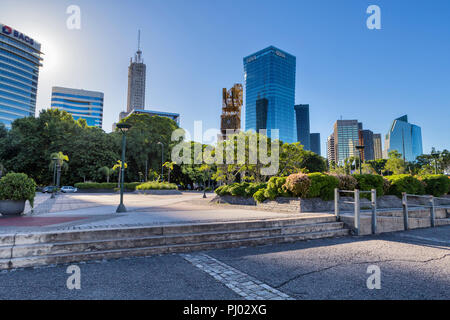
pixel 238 189
pixel 405 183
pixel 367 182
pixel 255 187
pixel 244 189
pixel 346 182
pixel 436 184
pixel 259 195
pixel 386 186
pixel 275 189
pixel 219 190
pixel 322 185
pixel 298 184
pixel 17 186
pixel 131 185
pixel 154 185
pixel 95 185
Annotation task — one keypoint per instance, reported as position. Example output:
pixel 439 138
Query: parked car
pixel 68 189
pixel 49 189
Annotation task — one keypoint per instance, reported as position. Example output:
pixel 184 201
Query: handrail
pixel 431 204
pixel 357 207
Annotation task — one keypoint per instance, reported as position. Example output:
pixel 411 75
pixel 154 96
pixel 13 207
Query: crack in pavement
pixel 356 263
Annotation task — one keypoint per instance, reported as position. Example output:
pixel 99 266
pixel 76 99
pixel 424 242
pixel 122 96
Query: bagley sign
pixel 6 30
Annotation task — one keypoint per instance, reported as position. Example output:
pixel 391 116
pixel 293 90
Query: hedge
pixel 154 185
pixel 275 188
pixel 106 185
pixel 244 189
pixel 436 184
pixel 322 185
pixel 367 182
pixel 17 186
pixel 405 183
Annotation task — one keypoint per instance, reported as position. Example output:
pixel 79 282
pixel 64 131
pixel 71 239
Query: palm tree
pixel 118 165
pixel 107 172
pixel 58 161
pixel 169 165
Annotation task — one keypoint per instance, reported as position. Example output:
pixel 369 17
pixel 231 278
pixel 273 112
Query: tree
pixel 395 163
pixel 58 161
pixel 106 171
pixel 118 166
pixel 169 165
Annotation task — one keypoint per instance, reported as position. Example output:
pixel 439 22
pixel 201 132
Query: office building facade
pixel 331 154
pixel 270 74
pixel 303 126
pixel 20 59
pixel 137 73
pixel 82 104
pixel 377 146
pixel 315 143
pixel 404 137
pixel 366 140
pixel 346 138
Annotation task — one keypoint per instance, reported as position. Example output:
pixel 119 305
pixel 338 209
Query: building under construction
pixel 231 110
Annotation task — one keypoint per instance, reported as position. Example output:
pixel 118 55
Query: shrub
pixel 96 185
pixel 322 185
pixel 17 186
pixel 219 190
pixel 436 184
pixel 154 185
pixel 405 183
pixel 386 186
pixel 275 189
pixel 367 182
pixel 298 184
pixel 131 185
pixel 238 189
pixel 259 195
pixel 254 187
pixel 346 182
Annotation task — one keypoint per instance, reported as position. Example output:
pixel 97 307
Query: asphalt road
pixel 413 265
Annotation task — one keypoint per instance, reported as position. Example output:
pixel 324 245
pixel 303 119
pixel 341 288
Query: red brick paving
pixel 35 221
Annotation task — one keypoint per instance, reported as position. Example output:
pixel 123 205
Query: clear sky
pixel 194 48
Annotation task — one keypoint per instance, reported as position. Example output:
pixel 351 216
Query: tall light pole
pixel 123 127
pixel 162 160
pixel 435 155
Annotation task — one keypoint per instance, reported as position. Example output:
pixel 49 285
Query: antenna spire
pixel 139 40
pixel 138 56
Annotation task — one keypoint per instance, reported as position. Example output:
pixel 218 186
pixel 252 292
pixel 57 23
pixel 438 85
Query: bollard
pixel 374 210
pixel 357 211
pixel 336 203
pixel 432 211
pixel 405 210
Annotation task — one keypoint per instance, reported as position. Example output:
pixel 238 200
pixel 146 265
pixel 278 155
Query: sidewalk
pixel 92 211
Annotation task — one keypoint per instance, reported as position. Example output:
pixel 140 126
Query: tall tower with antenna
pixel 136 80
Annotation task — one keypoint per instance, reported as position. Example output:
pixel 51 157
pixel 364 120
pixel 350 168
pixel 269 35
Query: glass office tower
pixel 346 138
pixel 404 137
pixel 270 74
pixel 83 104
pixel 20 59
pixel 366 139
pixel 302 122
pixel 315 143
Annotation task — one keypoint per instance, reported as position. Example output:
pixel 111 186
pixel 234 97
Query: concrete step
pixel 45 259
pixel 37 249
pixel 135 232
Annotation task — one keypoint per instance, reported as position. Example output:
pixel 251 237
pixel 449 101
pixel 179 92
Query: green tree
pixel 106 171
pixel 395 164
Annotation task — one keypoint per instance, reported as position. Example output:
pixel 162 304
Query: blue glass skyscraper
pixel 270 74
pixel 302 122
pixel 404 137
pixel 19 70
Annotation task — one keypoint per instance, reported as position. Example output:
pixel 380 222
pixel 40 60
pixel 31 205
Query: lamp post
pixel 54 176
pixel 360 149
pixel 435 155
pixel 123 127
pixel 162 161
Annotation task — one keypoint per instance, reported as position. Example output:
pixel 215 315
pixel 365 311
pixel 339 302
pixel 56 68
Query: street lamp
pixel 360 149
pixel 435 155
pixel 123 127
pixel 162 161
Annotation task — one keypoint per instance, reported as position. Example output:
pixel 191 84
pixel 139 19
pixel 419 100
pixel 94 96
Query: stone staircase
pixel 26 250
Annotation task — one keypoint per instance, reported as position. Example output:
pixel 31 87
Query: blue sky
pixel 194 48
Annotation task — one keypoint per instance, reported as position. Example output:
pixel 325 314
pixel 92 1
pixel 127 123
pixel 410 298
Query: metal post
pixel 374 211
pixel 405 210
pixel 336 203
pixel 121 207
pixel 357 212
pixel 432 211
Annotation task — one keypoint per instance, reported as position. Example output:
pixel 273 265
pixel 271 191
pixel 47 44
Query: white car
pixel 68 189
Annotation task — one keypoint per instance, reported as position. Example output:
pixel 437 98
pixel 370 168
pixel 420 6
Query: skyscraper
pixel 366 140
pixel 302 123
pixel 346 138
pixel 136 81
pixel 377 147
pixel 404 137
pixel 270 74
pixel 261 114
pixel 315 143
pixel 82 104
pixel 20 59
pixel 331 155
